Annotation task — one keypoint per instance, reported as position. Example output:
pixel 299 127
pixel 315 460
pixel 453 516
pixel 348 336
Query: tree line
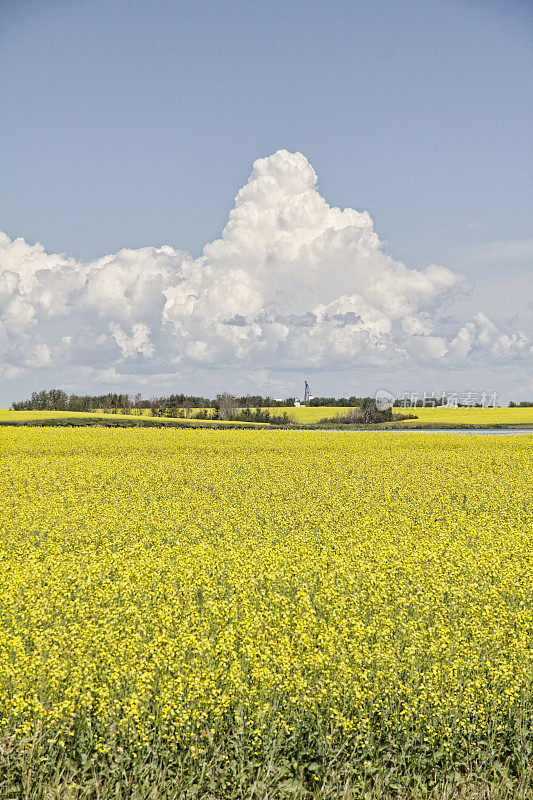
pixel 224 407
pixel 59 400
pixel 179 404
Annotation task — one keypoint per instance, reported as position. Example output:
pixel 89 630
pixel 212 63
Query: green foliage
pixel 366 414
pixel 295 768
pixel 262 415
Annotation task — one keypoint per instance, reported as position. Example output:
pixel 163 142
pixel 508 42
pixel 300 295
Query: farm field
pixel 473 416
pixel 457 416
pixel 8 415
pixel 310 414
pixel 193 613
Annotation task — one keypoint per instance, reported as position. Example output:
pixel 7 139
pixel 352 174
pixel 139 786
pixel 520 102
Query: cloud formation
pixel 292 283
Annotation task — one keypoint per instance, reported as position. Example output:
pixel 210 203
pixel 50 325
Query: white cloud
pixel 481 336
pixel 507 250
pixel 40 357
pixel 137 342
pixel 291 284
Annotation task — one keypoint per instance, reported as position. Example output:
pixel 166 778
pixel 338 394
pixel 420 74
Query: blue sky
pixel 134 124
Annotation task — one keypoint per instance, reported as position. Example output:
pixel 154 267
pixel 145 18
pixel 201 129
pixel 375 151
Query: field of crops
pixel 194 613
pixel 472 416
pixel 310 414
pixel 14 416
pixel 456 416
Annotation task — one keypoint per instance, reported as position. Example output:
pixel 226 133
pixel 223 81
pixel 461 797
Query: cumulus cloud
pixel 137 342
pixel 291 283
pixel 481 336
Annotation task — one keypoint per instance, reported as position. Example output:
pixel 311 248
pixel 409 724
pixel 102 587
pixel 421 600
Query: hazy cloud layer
pixel 292 284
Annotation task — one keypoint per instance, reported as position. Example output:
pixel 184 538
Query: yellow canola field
pixel 457 416
pixel 311 414
pixel 174 585
pixel 8 415
pixel 473 416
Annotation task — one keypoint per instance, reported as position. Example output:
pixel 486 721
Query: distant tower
pixel 307 393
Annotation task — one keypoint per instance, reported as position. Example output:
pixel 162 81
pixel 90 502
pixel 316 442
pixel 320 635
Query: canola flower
pixel 312 414
pixel 439 415
pixel 174 584
pixel 24 416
